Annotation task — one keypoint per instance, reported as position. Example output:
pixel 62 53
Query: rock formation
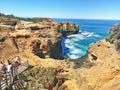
pixel 98 70
pixel 114 36
pixel 41 36
pixel 67 28
pixel 105 58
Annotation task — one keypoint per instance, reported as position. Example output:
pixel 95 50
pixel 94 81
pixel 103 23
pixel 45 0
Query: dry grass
pixel 49 78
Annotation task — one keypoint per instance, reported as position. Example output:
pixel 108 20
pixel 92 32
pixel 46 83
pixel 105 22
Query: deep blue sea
pixel 90 31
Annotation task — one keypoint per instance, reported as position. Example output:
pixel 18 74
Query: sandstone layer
pixel 99 69
pixel 40 36
pixel 38 41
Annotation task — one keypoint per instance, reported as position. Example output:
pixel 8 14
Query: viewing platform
pixel 7 80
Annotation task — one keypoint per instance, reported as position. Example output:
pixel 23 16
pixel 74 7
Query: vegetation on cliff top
pixel 49 78
pixel 114 36
pixel 3 16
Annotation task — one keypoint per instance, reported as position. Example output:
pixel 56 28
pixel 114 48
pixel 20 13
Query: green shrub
pixel 111 36
pixel 107 39
pixel 48 77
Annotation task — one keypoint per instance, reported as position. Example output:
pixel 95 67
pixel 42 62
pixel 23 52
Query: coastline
pixel 40 43
pixel 99 30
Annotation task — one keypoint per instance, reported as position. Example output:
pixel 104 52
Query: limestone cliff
pixel 114 37
pixel 106 66
pixel 104 60
pixel 67 28
pixel 99 69
pixel 41 36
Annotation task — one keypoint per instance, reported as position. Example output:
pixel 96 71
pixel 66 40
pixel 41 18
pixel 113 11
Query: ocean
pixel 90 31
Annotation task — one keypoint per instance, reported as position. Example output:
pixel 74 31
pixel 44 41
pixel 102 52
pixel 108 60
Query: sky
pixel 82 9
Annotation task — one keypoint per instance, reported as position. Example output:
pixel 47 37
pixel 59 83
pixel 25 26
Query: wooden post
pixel 6 79
pixel 0 80
pixel 10 77
pixel 9 81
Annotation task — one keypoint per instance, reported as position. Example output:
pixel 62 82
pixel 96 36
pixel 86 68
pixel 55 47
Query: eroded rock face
pixel 67 28
pixel 2 39
pixel 105 71
pixel 100 50
pixel 115 36
pixel 106 48
pixel 41 37
pixel 35 44
pixel 102 75
pixel 6 27
pixel 31 25
pixel 7 23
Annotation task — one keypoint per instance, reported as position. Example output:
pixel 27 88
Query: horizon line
pixel 62 17
pixel 70 18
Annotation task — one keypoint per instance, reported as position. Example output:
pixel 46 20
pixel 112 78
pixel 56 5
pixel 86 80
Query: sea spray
pixel 75 46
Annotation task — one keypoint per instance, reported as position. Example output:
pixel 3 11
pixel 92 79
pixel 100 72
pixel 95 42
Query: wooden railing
pixel 6 79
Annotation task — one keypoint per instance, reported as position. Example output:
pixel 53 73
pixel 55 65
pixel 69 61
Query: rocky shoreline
pixel 38 40
pixel 42 36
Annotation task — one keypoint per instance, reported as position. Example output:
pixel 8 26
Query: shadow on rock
pixel 56 51
pixel 79 63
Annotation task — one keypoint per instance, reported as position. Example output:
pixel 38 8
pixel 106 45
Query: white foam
pixel 68 43
pixel 97 35
pixel 75 50
pixel 82 35
pixel 75 36
pixel 69 46
pixel 76 55
pixel 72 56
pixel 87 34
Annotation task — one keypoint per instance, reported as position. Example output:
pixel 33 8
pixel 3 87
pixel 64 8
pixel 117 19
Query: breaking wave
pixel 76 45
pixel 90 31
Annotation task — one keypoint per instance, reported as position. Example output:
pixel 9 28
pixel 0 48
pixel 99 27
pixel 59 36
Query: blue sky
pixel 92 9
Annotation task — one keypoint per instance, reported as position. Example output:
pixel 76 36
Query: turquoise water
pixel 90 31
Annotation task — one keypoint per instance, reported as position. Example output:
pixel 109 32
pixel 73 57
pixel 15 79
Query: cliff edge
pixel 103 58
pixel 39 36
pixel 38 41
